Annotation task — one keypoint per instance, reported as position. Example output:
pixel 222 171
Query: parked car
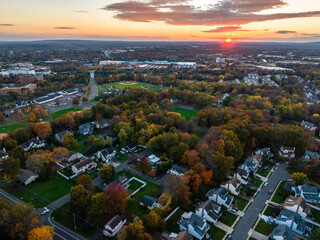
pixel 46 210
pixel 270 191
pixel 266 184
pixel 276 168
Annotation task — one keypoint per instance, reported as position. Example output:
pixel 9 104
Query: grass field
pixel 130 84
pixel 172 225
pixel 281 193
pixel 257 182
pixel 229 218
pixel 269 211
pixel 263 227
pixel 241 203
pixel 54 115
pixel 41 193
pixel 188 114
pixel 263 173
pixel 11 126
pixel 217 233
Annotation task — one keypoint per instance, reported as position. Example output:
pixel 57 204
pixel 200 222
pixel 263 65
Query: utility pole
pixel 74 221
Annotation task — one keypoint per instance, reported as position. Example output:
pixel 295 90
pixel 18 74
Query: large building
pixel 24 90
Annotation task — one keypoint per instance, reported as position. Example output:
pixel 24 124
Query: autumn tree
pixel 21 135
pixel 75 101
pixel 299 177
pixel 123 137
pixel 65 121
pixel 154 221
pixel 164 201
pixel 85 180
pixel 2 117
pixel 116 195
pixel 144 164
pixel 60 154
pixel 32 117
pixel 39 161
pixel 10 168
pixel 80 199
pixel 43 129
pixel 183 194
pixel 135 230
pixel 41 233
pixel 69 141
pixel 171 185
pixel 97 207
pixel 107 172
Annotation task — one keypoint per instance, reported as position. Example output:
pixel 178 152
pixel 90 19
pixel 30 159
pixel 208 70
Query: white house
pixel 293 221
pixel 34 143
pixel 220 196
pixel 195 225
pixel 249 166
pixel 103 124
pixel 209 210
pixel 86 129
pixel 297 205
pixel 308 126
pixel 256 159
pixel 114 225
pixel 177 170
pixel 153 159
pixel 27 176
pixel 233 186
pixel 3 154
pixel 107 154
pixel 281 232
pixel 309 193
pixel 242 175
pixel 264 152
pixel 309 155
pixel 287 152
pixel 84 165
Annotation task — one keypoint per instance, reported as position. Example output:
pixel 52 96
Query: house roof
pixel 282 231
pixel 32 140
pixel 115 221
pixel 311 155
pixel 198 224
pixel 107 151
pixel 3 154
pixel 295 201
pixel 289 149
pixel 184 236
pixel 61 134
pixel 309 189
pixel 85 127
pixel 25 174
pixel 179 169
pixel 149 201
pixel 83 163
pixel 242 172
pixel 209 205
pixel 234 181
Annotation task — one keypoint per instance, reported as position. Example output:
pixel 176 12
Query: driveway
pixel 246 222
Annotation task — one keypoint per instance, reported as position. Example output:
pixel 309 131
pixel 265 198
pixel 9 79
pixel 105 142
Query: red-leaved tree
pixel 116 195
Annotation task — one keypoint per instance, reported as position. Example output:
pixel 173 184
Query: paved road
pixel 61 232
pixel 246 222
pixel 94 87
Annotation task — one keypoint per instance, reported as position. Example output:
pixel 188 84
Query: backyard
pixel 241 203
pixel 269 211
pixel 257 182
pixel 228 218
pixel 281 194
pixel 172 225
pixel 187 113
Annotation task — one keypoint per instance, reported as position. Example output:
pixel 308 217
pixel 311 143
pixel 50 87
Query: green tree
pixel 107 172
pixel 69 141
pixel 10 168
pixel 79 200
pixel 123 137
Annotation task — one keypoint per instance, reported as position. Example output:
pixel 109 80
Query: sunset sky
pixel 165 20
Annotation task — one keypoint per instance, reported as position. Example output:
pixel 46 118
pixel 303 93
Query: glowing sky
pixel 247 20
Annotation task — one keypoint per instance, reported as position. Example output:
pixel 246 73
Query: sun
pixel 228 40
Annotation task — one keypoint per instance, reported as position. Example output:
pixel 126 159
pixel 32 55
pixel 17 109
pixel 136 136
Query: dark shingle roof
pixel 83 163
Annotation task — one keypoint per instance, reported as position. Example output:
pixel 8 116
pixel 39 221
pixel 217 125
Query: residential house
pixel 309 193
pixel 249 166
pixel 281 232
pixel 242 175
pixel 113 137
pixel 308 126
pixel 287 152
pixel 209 210
pixel 107 154
pixel 177 170
pixel 148 202
pixel 3 154
pixel 256 159
pixel 27 176
pixel 293 221
pixel 84 165
pixel 153 159
pixel 309 155
pixel 59 136
pixel 195 225
pixel 220 196
pixel 86 129
pixel 233 186
pixel 297 205
pixel 103 124
pixel 114 225
pixel 264 152
pixel 34 143
pixel 129 148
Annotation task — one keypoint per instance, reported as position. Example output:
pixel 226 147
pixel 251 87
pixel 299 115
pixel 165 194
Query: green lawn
pixel 41 193
pixel 81 148
pixel 132 85
pixel 228 218
pixel 188 114
pixel 133 204
pixel 11 126
pixel 249 192
pixel 257 182
pixel 263 227
pixel 269 211
pixel 64 217
pixel 54 115
pixel 263 173
pixel 241 203
pixel 134 185
pixel 217 233
pixel 316 215
pixel 122 158
pixel 172 225
pixel 281 194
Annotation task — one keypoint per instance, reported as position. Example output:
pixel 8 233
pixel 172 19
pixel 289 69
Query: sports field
pixel 188 114
pixel 130 84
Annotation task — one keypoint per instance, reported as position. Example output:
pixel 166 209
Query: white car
pixel 46 210
pixel 266 184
